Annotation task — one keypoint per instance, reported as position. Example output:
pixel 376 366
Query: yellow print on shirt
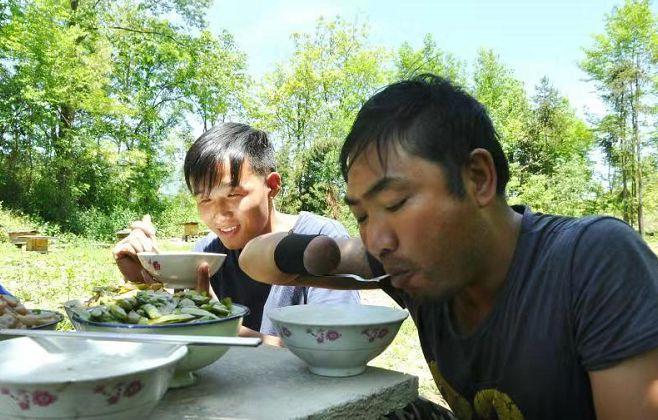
pixel 487 404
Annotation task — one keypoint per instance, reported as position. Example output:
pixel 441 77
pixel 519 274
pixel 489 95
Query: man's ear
pixel 481 177
pixel 273 182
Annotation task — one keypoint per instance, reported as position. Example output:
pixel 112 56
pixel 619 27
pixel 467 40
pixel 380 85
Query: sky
pixel 534 38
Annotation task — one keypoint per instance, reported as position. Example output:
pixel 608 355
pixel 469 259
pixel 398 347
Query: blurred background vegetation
pixel 99 100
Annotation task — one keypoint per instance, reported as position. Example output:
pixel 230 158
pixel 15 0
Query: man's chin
pixel 430 296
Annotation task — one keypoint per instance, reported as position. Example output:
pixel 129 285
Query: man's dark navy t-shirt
pixel 581 295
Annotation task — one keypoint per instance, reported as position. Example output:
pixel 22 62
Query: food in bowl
pixel 64 378
pixel 178 270
pixel 13 314
pixel 226 325
pixel 135 304
pixel 337 339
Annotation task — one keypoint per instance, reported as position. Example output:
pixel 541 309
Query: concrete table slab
pixel 272 383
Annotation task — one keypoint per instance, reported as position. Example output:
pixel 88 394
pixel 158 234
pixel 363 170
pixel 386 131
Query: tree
pixel 622 63
pixel 309 104
pixel 504 97
pixel 429 59
pixel 94 101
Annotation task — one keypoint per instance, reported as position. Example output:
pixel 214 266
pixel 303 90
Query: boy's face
pixel 425 236
pixel 238 214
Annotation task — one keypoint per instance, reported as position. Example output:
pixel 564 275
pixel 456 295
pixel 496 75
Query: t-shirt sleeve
pixel 614 294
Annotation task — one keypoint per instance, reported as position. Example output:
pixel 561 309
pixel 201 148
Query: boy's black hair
pixel 204 162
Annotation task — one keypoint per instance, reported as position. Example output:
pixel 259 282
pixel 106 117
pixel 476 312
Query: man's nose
pixel 222 212
pixel 381 238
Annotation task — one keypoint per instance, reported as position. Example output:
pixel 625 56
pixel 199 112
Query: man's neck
pixel 281 222
pixel 474 304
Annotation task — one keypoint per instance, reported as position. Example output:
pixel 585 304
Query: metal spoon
pixel 141 338
pixel 357 278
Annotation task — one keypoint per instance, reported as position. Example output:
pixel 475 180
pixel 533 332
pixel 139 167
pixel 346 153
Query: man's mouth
pixel 400 279
pixel 228 230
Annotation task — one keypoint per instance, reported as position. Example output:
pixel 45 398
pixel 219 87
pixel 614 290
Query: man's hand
pixel 321 256
pixel 140 239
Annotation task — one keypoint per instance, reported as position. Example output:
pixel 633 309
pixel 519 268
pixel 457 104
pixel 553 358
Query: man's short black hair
pixel 204 162
pixel 430 118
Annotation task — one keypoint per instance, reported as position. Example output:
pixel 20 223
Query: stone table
pixel 272 383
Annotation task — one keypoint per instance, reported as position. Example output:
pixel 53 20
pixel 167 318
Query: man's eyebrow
pixel 376 188
pixel 223 186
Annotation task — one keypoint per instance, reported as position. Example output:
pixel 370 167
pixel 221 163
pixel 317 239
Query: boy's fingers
pixel 147 228
pixel 147 277
pixel 203 279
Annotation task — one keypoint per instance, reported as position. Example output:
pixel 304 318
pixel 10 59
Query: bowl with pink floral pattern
pixel 178 270
pixel 337 339
pixel 65 378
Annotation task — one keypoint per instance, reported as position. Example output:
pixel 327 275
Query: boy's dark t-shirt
pixel 259 297
pixel 581 295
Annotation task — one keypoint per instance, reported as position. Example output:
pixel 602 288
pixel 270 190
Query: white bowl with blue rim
pixel 198 356
pixel 337 339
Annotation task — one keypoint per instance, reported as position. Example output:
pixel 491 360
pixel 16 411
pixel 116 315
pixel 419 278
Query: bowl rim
pixel 49 324
pixel 273 314
pixel 181 254
pixel 75 317
pixel 173 358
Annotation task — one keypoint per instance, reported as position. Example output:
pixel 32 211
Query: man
pixel 230 170
pixel 519 314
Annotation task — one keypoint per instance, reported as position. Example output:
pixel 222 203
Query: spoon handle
pixel 141 338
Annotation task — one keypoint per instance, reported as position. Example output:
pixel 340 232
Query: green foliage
pixel 309 104
pixel 429 59
pixel 178 209
pixel 623 63
pixel 96 101
pixel 94 98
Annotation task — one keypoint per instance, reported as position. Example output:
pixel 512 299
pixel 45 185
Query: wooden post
pixel 190 229
pixel 17 237
pixel 36 243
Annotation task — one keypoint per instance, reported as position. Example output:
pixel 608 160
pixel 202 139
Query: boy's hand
pixel 203 279
pixel 140 239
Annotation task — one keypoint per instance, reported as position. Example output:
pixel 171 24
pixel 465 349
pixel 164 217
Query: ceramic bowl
pixel 197 357
pixel 337 339
pixel 49 326
pixel 178 270
pixel 64 378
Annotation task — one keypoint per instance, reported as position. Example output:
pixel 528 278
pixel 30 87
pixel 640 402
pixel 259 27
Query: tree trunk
pixel 637 158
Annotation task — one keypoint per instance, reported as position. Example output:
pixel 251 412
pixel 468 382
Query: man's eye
pixel 397 205
pixel 361 219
